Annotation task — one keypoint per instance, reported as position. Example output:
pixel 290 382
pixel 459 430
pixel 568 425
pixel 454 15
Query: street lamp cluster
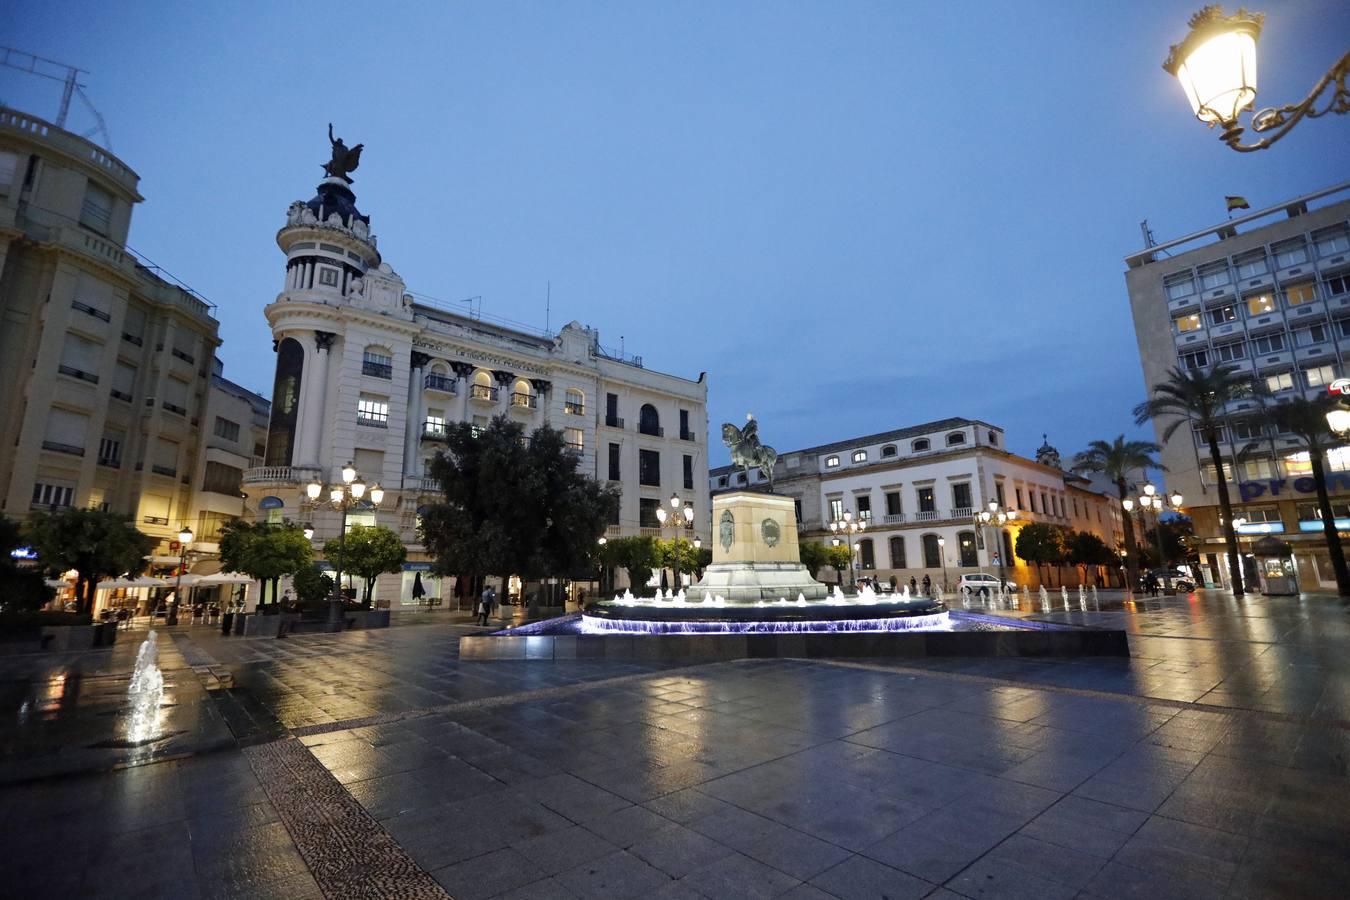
pixel 1151 499
pixel 343 496
pixel 994 517
pixel 1216 66
pixel 848 526
pixel 681 516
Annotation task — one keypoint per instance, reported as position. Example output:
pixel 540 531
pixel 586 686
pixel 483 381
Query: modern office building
pixel 107 363
pixel 368 374
pixel 1268 293
pixel 919 489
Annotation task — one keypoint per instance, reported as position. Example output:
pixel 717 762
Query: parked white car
pixel 980 583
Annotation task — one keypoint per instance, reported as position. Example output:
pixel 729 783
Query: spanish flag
pixel 1237 203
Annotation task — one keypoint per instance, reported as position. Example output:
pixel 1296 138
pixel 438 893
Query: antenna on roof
pixel 548 303
pixel 1148 234
pixel 69 76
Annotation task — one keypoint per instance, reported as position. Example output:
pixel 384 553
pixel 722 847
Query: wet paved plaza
pixel 1213 763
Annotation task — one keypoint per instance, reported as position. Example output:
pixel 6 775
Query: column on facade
pixel 542 389
pixel 314 401
pixel 464 373
pixel 504 381
pixel 413 438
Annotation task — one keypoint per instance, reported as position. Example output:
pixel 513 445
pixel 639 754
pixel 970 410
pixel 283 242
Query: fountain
pixel 1045 600
pixel 1082 597
pixel 145 693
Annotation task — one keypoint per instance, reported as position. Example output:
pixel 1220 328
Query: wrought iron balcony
pixel 524 401
pixel 443 383
pixel 379 370
pixel 483 392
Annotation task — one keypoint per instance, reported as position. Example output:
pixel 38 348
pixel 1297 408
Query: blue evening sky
pixel 854 216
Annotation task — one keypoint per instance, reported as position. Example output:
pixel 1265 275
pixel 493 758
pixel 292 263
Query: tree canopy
pixel 264 551
pixel 1087 550
pixel 1121 461
pixel 94 543
pixel 1041 544
pixel 638 554
pixel 512 504
pixel 368 551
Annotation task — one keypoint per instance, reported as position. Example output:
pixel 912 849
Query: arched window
pixel 888 450
pixel 932 553
pixel 482 387
pixel 273 510
pixel 377 361
pixel 898 552
pixel 831 462
pixel 438 378
pixel 920 446
pixel 965 542
pixel 993 439
pixel 955 438
pixel 522 395
pixel 866 555
pixel 649 420
pixel 859 456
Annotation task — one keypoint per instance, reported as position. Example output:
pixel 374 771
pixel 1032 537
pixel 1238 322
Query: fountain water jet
pixel 145 692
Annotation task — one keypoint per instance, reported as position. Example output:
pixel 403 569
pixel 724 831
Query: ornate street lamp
pixel 184 538
pixel 996 517
pixel 942 551
pixel 1150 499
pixel 848 526
pixel 681 517
pixel 1216 66
pixel 343 496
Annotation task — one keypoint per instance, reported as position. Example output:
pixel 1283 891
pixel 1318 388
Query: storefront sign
pixel 1250 490
pixel 1316 525
pixel 23 553
pixel 417 567
pixel 1261 528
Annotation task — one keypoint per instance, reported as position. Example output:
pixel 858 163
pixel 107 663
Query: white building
pixel 366 373
pixel 1269 294
pixel 916 486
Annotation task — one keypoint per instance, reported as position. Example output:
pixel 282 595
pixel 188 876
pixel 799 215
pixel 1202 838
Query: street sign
pixel 1340 387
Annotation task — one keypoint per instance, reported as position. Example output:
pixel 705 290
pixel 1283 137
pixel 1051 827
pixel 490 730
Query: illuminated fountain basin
pixel 865 612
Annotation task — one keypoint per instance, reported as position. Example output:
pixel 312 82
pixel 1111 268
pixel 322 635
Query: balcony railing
pixel 377 369
pixel 687 435
pixel 90 311
pixel 59 447
pixel 962 512
pixel 120 395
pixel 483 392
pixel 653 430
pixel 155 520
pixel 280 475
pixel 133 339
pixel 893 519
pixel 574 409
pixel 434 431
pixel 184 356
pixel 926 515
pixel 110 461
pixel 170 471
pixel 174 408
pixel 372 421
pixel 613 422
pixel 77 373
pixel 443 383
pixel 524 401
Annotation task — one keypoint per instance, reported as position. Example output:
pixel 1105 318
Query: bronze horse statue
pixel 746 450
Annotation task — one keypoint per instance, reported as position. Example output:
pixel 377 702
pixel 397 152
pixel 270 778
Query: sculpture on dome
pixel 344 160
pixel 746 449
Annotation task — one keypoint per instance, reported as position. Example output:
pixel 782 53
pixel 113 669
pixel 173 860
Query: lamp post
pixel 1216 66
pixel 942 552
pixel 1152 500
pixel 343 496
pixel 996 517
pixel 184 538
pixel 848 526
pixel 681 517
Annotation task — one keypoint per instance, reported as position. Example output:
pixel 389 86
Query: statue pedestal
pixel 755 551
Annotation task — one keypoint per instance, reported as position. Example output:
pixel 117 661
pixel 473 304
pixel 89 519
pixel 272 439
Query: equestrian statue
pixel 746 450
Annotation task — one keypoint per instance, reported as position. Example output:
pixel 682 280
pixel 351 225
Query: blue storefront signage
pixel 1250 490
pixel 1316 525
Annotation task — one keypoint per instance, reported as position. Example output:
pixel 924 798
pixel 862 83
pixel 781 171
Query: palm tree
pixel 1199 397
pixel 1117 460
pixel 1307 421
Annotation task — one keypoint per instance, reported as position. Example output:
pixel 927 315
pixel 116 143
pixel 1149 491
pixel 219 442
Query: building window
pixel 649 421
pixel 1031 500
pixel 864 504
pixel 897 547
pixel 1312 334
pixel 110 452
pixel 932 553
pixel 1299 294
pixel 1214 276
pixel 1283 381
pixel 1258 468
pixel 1233 350
pixel 836 509
pixel 887 451
pixel 328 276
pixel 96 212
pixel 926 501
pixel 961 496
pixel 1337 285
pixel 920 446
pixel 647 508
pixel 1260 304
pixel 688 472
pixel 1252 264
pixel 372 411
pixel 893 503
pixel 1045 507
pixel 1268 343
pixel 1178 286
pixel 574 439
pixel 227 429
pixel 649 468
pixel 722 482
pixel 797 507
pixel 1246 429
pixel 998 493
pixel 955 438
pixel 1307 512
pixel 1187 323
pixel 1331 241
pixel 859 456
pixel 574 402
pixel 221 479
pixel 866 554
pixel 52 495
pixel 1207 472
pixel 1320 376
pixel 612 411
pixel 965 542
pixel 831 462
pixel 377 362
pixel 614 473
pixel 1290 253
pixel 686 434
pixel 1018 491
pixel 1222 315
pixel 1008 545
pixel 1196 359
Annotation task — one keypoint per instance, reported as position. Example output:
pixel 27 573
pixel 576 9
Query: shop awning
pixel 137 582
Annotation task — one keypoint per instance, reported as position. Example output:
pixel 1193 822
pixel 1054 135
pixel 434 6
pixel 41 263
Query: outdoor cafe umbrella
pixel 223 578
pixel 139 581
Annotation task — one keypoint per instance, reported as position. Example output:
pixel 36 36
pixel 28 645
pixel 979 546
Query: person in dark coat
pixel 927 585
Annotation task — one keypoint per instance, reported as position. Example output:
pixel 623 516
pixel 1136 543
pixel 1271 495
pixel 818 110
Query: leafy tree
pixel 512 505
pixel 1087 551
pixel 681 552
pixel 1041 544
pixel 814 556
pixel 313 587
pixel 264 551
pixel 839 558
pixel 638 554
pixel 94 543
pixel 1199 397
pixel 367 551
pixel 1119 460
pixel 21 590
pixel 1306 420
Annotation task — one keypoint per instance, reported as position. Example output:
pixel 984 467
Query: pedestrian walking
pixel 927 584
pixel 913 585
pixel 485 605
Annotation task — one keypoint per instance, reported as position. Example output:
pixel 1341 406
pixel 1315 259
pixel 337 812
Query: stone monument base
pixel 749 582
pixel 755 553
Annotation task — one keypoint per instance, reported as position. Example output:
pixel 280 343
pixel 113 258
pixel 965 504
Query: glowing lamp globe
pixel 1216 63
pixel 376 494
pixel 358 488
pixel 1339 420
pixel 185 536
pixel 314 489
pixel 348 473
